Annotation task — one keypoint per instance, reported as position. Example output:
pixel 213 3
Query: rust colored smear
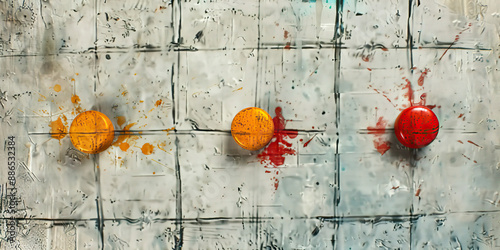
pixel 471 142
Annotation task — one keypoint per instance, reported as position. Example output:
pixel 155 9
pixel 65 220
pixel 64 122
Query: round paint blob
pixel 416 127
pixel 252 128
pixel 91 132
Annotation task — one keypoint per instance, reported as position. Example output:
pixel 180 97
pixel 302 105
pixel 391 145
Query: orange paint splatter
pixel 160 145
pixel 168 129
pixel 120 120
pixel 461 141
pixel 124 146
pixel 75 99
pixel 287 46
pixel 158 103
pixel 57 88
pixel 125 134
pixel 365 58
pixel 58 130
pixel 238 89
pixel 147 149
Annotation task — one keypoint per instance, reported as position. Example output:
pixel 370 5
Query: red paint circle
pixel 416 127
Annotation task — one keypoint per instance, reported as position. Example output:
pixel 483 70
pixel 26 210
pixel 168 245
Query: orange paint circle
pixel 252 128
pixel 57 88
pixel 91 132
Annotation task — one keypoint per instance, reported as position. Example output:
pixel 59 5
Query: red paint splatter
pixel 385 49
pixel 457 37
pixel 369 69
pixel 276 183
pixel 286 34
pixel 422 76
pixel 365 58
pixel 274 154
pixel 379 143
pixel 456 40
pixel 471 142
pixel 287 46
pixel 461 141
pixel 383 94
pixel 307 142
pixel 379 128
pixel 468 158
pixel 409 94
pixel 460 116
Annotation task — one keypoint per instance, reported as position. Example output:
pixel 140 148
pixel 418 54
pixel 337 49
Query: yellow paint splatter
pixel 57 88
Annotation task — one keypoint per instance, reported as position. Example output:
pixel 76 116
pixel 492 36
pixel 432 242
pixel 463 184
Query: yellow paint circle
pixel 252 128
pixel 91 132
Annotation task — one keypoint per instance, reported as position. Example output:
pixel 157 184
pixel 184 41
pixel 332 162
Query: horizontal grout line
pixel 173 49
pixel 176 132
pixel 348 218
